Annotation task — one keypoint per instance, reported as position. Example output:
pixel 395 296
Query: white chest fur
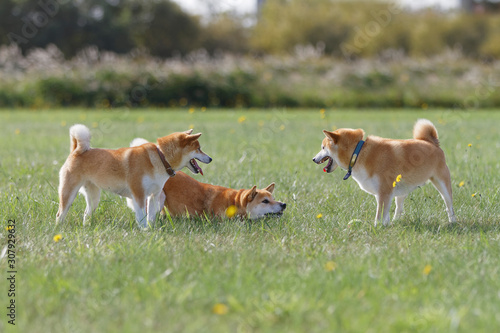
pixel 365 182
pixel 154 184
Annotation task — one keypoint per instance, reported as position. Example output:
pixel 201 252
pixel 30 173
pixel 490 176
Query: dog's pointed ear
pixel 194 136
pixel 189 131
pixel 270 188
pixel 251 194
pixel 332 136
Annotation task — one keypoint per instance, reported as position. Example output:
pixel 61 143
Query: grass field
pixel 321 267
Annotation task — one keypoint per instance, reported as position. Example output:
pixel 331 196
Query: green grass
pixel 112 277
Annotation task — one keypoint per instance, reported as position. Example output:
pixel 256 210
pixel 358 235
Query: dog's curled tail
pixel 425 130
pixel 80 138
pixel 138 142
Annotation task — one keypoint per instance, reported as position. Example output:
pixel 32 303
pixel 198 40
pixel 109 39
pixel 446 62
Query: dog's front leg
pixel 139 206
pixel 154 205
pixel 383 207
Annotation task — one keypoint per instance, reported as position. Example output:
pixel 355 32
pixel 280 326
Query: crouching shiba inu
pixel 184 195
pixel 138 173
pixel 389 168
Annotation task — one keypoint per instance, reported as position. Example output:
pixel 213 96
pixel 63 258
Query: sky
pixel 202 7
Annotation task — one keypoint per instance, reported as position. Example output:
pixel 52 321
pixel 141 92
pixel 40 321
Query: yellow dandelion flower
pixel 17 131
pixel 330 266
pixel 427 270
pixel 261 123
pixel 334 128
pixel 191 110
pixel 140 120
pixel 203 109
pixel 95 124
pixel 57 238
pixel 191 126
pixel 425 106
pixel 398 178
pixel 462 183
pixel 242 119
pixel 220 309
pixel 83 116
pixel 474 194
pixel 319 216
pixel 231 211
pixel 393 184
pixel 63 123
pixel 282 127
pixel 470 145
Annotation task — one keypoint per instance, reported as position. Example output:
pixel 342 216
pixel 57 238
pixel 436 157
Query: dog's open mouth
pixel 278 214
pixel 196 166
pixel 329 165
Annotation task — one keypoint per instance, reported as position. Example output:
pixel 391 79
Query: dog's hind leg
pixel 383 207
pixel 399 206
pixel 442 183
pixel 92 195
pixel 68 189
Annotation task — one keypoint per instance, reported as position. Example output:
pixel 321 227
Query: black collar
pixel 167 166
pixel 354 158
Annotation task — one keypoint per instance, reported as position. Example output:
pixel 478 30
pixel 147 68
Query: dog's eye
pixel 322 147
pixel 265 201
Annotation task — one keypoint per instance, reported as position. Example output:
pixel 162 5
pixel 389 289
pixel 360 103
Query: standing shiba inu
pixel 184 195
pixel 138 173
pixel 389 168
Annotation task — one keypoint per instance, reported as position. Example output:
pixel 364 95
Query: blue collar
pixel 354 158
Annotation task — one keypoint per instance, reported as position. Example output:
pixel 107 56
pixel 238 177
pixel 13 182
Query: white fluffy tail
pixel 138 142
pixel 425 130
pixel 80 138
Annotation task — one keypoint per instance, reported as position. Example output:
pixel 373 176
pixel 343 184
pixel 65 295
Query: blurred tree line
pixel 348 29
pixel 120 26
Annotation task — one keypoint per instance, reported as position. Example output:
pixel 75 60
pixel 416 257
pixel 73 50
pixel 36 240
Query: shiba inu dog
pixel 138 173
pixel 389 168
pixel 185 195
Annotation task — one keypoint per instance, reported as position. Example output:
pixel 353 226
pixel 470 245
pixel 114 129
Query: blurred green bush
pixel 102 79
pixel 365 28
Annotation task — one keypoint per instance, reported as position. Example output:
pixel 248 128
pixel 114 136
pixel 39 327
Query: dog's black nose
pixel 313 160
pixel 283 205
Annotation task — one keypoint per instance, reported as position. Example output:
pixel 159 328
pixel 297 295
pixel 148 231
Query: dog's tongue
pixel 197 166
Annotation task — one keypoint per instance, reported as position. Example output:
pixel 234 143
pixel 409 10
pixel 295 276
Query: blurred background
pixel 249 53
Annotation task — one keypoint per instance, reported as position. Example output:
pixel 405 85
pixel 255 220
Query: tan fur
pixel 381 160
pixel 135 172
pixel 184 194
